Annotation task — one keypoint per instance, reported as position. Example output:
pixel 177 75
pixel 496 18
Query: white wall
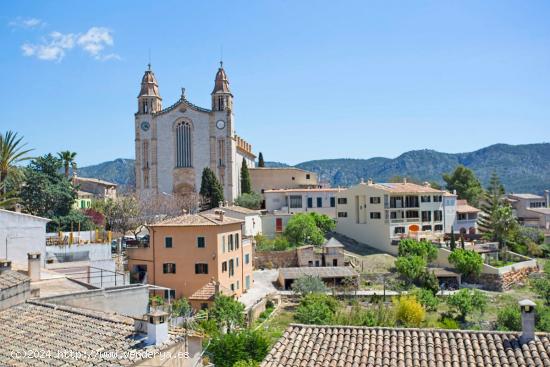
pixel 22 233
pixel 275 201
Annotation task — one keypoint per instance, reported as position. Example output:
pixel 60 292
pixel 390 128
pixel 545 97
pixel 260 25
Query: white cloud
pixel 56 44
pixel 26 23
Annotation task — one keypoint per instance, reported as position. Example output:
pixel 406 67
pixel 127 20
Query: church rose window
pixel 183 144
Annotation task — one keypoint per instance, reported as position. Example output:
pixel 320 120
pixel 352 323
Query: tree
pixel 261 162
pixel 452 243
pixel 252 200
pixel 426 298
pixel 302 230
pixel 12 152
pixel 228 313
pixel 211 189
pixel 180 307
pixel 542 286
pixel 466 184
pixel 246 186
pixel 509 318
pixel 469 263
pixel 408 311
pixel 492 199
pixel 411 247
pixel 505 225
pixel 308 284
pixel 323 222
pixel 410 267
pixel 233 349
pixel 316 308
pixel 466 301
pixel 68 159
pixel 123 214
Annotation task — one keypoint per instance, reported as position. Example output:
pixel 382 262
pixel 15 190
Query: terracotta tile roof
pixel 318 271
pixel 331 189
pixel 401 187
pixel 462 206
pixel 94 180
pixel 203 219
pixel 54 328
pixel 208 292
pixel 348 346
pixel 234 208
pixel 12 278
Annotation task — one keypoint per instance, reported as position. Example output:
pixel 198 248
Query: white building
pixel 173 145
pixel 531 210
pixel 380 214
pixel 466 218
pixel 252 219
pixel 292 201
pixel 20 234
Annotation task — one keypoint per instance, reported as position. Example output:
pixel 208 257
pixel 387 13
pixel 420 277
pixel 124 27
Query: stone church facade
pixel 173 145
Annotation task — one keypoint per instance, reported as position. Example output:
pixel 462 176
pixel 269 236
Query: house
pixel 331 253
pixel 328 345
pixel 269 178
pixel 380 214
pixel 83 200
pixel 252 218
pixel 20 234
pixel 331 275
pixel 274 224
pixel 531 210
pixel 98 188
pixel 466 218
pixel 292 201
pixel 193 255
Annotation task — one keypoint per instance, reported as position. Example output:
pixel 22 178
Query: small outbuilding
pixel 331 275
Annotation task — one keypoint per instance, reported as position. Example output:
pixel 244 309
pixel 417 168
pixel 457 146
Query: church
pixel 174 144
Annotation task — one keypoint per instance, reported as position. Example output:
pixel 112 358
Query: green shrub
pixel 468 263
pixel 426 298
pixel 411 247
pixel 302 230
pixel 509 318
pixel 308 284
pixel 410 267
pixel 448 323
pixel 408 311
pixel 316 308
pixel 228 349
pixel 466 301
pixel 250 200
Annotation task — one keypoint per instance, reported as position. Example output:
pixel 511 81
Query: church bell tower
pixel 222 99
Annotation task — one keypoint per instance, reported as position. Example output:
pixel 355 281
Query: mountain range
pixel 521 168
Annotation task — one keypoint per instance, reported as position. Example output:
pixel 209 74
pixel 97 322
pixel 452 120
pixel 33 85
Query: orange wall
pixel 185 254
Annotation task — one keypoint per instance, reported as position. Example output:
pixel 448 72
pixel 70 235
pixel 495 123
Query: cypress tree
pixel 211 189
pixel 453 241
pixel 261 162
pixel 492 200
pixel 245 179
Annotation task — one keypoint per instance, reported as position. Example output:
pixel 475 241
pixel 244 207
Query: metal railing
pixel 91 274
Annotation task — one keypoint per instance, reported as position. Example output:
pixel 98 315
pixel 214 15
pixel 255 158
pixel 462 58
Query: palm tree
pixel 6 199
pixel 68 160
pixel 11 152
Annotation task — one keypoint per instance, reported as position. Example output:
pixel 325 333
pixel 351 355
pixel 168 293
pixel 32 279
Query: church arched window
pixel 183 144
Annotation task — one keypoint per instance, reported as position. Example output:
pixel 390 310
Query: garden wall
pixel 276 259
pixel 504 281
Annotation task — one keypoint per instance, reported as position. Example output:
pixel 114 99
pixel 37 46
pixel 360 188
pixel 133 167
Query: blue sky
pixel 311 79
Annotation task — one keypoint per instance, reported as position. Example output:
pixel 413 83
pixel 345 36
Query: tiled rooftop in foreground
pixel 349 346
pixel 49 329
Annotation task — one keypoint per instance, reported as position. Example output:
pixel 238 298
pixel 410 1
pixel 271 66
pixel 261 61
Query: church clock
pixel 145 126
pixel 220 124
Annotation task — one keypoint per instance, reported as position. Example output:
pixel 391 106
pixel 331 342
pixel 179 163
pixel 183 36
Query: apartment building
pixel 531 210
pixel 268 178
pixel 195 256
pixel 380 214
pixel 292 201
pixel 466 218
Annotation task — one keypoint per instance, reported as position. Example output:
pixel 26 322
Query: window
pixel 438 198
pixel 224 266
pixel 375 215
pixel 438 215
pixel 310 202
pixel 278 225
pixel 295 201
pixel 230 242
pixel 425 198
pixel 247 282
pixel 237 262
pixel 237 243
pixel 427 228
pixel 169 268
pixel 399 230
pixel 411 201
pixel 319 202
pixel 426 216
pixel 232 286
pixel 332 202
pixel 221 153
pixel 342 201
pixel 342 214
pixel 396 201
pixel 375 199
pixel 168 242
pixel 183 144
pixel 200 242
pixel 171 293
pixel 247 258
pixel 231 268
pixel 204 306
pixel 308 176
pixel 223 243
pixel 439 227
pixel 411 213
pixel 462 216
pixel 201 268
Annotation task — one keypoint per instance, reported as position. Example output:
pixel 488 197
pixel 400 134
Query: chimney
pixel 427 184
pixel 547 198
pixel 404 180
pixel 5 264
pixel 220 204
pixel 220 214
pixel 369 181
pixel 226 203
pixel 34 266
pixel 527 320
pixel 18 208
pixel 454 192
pixel 157 327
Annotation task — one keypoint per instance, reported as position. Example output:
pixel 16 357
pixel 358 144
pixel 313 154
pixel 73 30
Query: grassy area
pixel 277 324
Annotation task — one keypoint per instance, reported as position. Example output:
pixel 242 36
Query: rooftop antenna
pixel 221 56
pixel 149 63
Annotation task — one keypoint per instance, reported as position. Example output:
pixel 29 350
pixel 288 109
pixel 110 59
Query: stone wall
pixel 276 259
pixel 503 282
